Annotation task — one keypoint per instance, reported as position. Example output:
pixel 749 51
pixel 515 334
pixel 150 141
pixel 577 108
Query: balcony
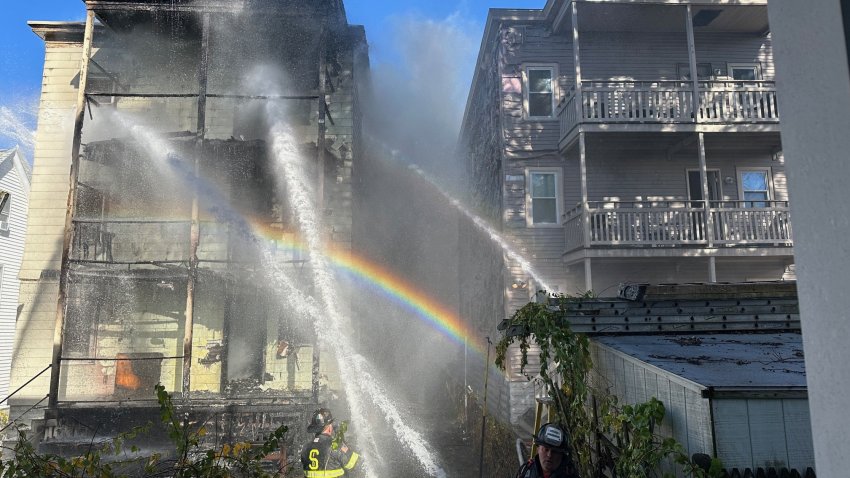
pixel 678 224
pixel 668 103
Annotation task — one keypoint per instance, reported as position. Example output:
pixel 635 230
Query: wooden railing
pixel 669 102
pixel 675 223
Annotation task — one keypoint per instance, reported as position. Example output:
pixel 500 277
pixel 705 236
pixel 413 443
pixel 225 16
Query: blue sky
pixel 453 27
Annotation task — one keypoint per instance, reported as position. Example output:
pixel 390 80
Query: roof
pixel 19 163
pixel 748 361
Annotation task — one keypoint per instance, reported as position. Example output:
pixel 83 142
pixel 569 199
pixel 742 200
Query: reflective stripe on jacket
pixel 320 460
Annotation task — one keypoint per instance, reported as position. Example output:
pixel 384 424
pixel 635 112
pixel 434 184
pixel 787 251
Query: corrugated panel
pixel 731 428
pixel 753 433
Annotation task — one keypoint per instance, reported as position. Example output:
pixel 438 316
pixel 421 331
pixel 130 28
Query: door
pixel 695 187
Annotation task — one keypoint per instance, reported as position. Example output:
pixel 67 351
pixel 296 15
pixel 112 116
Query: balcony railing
pixel 683 223
pixel 670 102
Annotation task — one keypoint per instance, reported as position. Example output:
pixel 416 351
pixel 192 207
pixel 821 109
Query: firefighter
pixel 553 458
pixel 319 458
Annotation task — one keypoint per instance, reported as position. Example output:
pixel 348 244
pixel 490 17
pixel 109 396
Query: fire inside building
pixel 173 214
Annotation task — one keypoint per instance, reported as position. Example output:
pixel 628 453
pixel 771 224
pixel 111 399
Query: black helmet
pixel 320 419
pixel 554 437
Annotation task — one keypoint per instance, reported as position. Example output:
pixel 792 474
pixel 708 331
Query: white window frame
pixel 743 66
pixel 4 225
pixel 526 106
pixel 769 174
pixel 559 196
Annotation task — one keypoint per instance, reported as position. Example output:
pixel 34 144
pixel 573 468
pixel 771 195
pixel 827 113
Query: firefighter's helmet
pixel 320 419
pixel 553 437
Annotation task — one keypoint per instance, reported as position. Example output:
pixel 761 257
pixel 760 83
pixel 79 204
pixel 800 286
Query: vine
pixel 626 433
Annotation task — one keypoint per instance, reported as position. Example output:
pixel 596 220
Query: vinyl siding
pixel 753 433
pixel 655 55
pixel 11 252
pixel 48 198
pixel 687 417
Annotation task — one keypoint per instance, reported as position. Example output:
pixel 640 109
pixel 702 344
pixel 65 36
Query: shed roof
pixel 749 361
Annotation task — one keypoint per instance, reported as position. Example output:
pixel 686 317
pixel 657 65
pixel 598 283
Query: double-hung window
pixel 5 210
pixel 540 91
pixel 543 197
pixel 754 187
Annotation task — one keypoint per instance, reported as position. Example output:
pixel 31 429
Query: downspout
pixel 68 239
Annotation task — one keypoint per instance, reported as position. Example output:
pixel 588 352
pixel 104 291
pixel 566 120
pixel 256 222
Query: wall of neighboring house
pixel 647 56
pixel 42 253
pixel 11 252
pixel 622 173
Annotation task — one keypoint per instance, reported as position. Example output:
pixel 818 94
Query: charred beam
pixel 59 325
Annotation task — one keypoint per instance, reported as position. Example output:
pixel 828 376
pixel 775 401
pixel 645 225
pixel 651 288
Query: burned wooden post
pixel 195 233
pixel 68 239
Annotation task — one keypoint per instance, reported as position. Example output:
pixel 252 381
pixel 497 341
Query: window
pixel 543 197
pixel 744 71
pixel 703 71
pixel 754 187
pixel 5 210
pixel 540 92
pixel 695 186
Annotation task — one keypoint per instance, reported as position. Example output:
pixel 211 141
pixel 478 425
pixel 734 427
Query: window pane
pixel 543 185
pixel 754 181
pixel 744 74
pixel 540 81
pixel 539 104
pixel 544 211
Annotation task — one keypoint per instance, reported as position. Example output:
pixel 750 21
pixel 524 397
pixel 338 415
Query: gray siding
pixel 655 56
pixel 754 433
pixel 620 173
pixel 523 46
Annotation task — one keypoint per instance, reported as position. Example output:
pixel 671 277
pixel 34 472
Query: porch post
pixel 703 172
pixel 68 239
pixel 577 66
pixel 585 213
pixel 195 230
pixel 588 277
pixel 692 61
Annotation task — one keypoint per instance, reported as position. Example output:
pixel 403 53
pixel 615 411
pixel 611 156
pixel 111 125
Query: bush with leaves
pixel 113 459
pixel 565 365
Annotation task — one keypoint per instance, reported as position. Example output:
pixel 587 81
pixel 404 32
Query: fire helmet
pixel 319 420
pixel 554 437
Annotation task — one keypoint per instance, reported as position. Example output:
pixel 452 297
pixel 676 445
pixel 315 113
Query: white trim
pixel 739 171
pixel 743 66
pixel 553 69
pixel 559 196
pixel 4 225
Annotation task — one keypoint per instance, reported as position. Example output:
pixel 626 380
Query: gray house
pixel 14 206
pixel 622 141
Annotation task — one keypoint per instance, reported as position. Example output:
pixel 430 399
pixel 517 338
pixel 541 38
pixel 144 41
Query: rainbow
pixel 390 285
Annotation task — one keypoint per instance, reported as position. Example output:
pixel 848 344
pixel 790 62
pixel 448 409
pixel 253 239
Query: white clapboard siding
pixel 44 232
pixel 14 180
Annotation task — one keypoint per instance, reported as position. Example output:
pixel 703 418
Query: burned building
pixel 165 248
